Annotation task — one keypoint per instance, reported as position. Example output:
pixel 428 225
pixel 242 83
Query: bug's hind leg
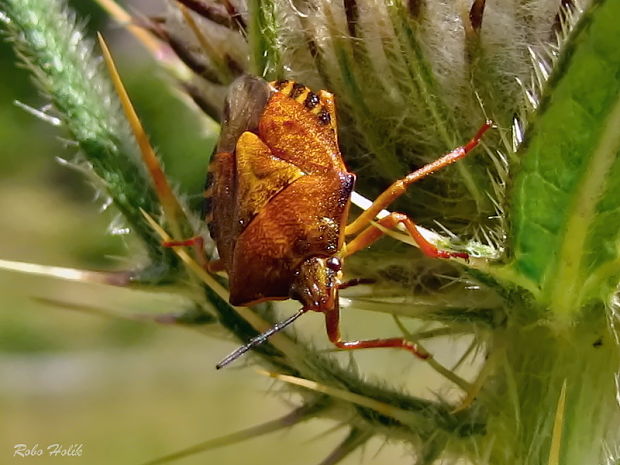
pixel 332 326
pixel 373 233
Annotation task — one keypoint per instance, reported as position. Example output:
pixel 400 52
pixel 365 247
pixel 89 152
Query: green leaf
pixel 566 194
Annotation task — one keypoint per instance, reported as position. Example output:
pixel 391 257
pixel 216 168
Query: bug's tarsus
pixel 258 340
pixel 488 124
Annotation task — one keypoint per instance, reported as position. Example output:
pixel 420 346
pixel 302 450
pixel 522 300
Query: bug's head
pixel 316 283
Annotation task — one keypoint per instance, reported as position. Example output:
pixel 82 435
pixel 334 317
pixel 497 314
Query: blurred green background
pixel 126 391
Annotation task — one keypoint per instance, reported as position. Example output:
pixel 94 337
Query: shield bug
pixel 277 199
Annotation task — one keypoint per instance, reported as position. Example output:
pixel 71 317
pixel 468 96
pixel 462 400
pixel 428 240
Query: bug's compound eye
pixel 333 264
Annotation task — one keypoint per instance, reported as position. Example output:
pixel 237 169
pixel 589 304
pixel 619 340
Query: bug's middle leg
pixel 372 234
pixel 332 326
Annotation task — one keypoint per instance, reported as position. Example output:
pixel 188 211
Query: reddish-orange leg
pixel 370 234
pixel 399 187
pixel 197 242
pixel 332 324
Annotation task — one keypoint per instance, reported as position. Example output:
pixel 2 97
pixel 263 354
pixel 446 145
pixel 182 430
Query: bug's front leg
pixel 372 234
pixel 332 326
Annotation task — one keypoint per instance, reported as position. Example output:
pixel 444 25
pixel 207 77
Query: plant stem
pixel 536 361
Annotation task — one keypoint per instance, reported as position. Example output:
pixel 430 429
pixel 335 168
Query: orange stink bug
pixel 277 200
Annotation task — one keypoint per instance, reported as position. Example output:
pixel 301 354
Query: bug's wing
pixel 244 105
pixel 240 184
pixel 260 176
pixel 303 220
pixel 219 205
pixel 246 100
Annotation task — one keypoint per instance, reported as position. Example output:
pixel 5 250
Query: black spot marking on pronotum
pixel 280 84
pixel 324 117
pixel 298 89
pixel 312 100
pixel 598 342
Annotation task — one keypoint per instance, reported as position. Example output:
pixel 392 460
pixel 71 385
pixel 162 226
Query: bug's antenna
pixel 255 341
